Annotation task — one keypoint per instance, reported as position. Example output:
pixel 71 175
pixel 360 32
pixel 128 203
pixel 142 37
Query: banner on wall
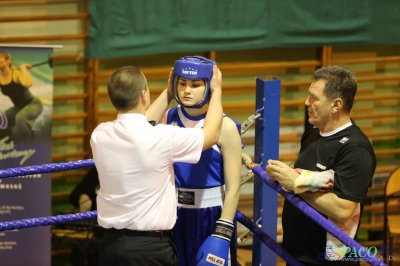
pixel 26 102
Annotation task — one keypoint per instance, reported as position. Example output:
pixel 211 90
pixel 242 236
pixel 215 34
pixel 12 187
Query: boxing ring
pixel 265 189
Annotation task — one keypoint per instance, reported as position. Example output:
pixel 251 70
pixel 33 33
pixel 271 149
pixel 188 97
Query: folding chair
pixel 391 220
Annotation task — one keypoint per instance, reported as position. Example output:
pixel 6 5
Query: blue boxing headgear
pixel 193 67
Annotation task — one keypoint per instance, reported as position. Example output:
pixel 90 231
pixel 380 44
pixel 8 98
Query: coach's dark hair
pixel 125 86
pixel 340 83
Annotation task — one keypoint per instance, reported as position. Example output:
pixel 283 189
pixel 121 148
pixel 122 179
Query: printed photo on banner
pixel 26 93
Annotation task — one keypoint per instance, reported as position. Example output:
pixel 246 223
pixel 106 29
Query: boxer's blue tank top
pixel 209 171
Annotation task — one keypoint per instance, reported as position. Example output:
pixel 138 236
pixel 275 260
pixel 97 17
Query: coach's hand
pixel 216 81
pixel 282 173
pixel 170 85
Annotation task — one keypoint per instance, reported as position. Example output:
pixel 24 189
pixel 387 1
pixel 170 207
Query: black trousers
pixel 118 249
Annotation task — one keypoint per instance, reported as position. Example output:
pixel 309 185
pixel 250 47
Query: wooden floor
pixel 245 258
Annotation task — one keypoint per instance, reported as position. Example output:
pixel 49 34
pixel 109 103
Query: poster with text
pixel 26 101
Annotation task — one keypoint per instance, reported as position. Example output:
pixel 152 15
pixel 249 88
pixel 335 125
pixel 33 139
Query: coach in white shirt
pixel 136 202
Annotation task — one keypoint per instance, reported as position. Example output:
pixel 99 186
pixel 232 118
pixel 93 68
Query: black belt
pixel 128 232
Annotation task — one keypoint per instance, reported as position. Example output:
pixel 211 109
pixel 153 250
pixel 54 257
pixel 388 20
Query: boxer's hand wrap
pixel 223 229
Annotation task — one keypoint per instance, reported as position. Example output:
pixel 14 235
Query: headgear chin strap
pixel 193 67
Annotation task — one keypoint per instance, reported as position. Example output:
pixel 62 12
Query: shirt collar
pixel 333 132
pixel 130 116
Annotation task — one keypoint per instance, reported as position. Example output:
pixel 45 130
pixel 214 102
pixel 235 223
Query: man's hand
pixel 282 173
pixel 216 81
pixel 85 204
pixel 170 85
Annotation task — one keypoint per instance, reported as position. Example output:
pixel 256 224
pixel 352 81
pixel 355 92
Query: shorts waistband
pixel 191 198
pixel 129 232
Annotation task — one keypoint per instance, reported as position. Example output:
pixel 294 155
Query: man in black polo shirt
pixel 331 145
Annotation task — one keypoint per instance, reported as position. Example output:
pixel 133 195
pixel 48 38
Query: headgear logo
pixel 189 71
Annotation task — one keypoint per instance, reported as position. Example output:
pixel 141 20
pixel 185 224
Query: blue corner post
pixel 265 206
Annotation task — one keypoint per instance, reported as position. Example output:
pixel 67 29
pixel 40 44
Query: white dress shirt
pixel 134 161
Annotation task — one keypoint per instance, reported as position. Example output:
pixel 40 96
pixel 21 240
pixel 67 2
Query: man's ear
pixel 337 105
pixel 143 96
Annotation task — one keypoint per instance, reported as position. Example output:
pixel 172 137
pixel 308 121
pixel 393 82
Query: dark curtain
pixel 138 27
